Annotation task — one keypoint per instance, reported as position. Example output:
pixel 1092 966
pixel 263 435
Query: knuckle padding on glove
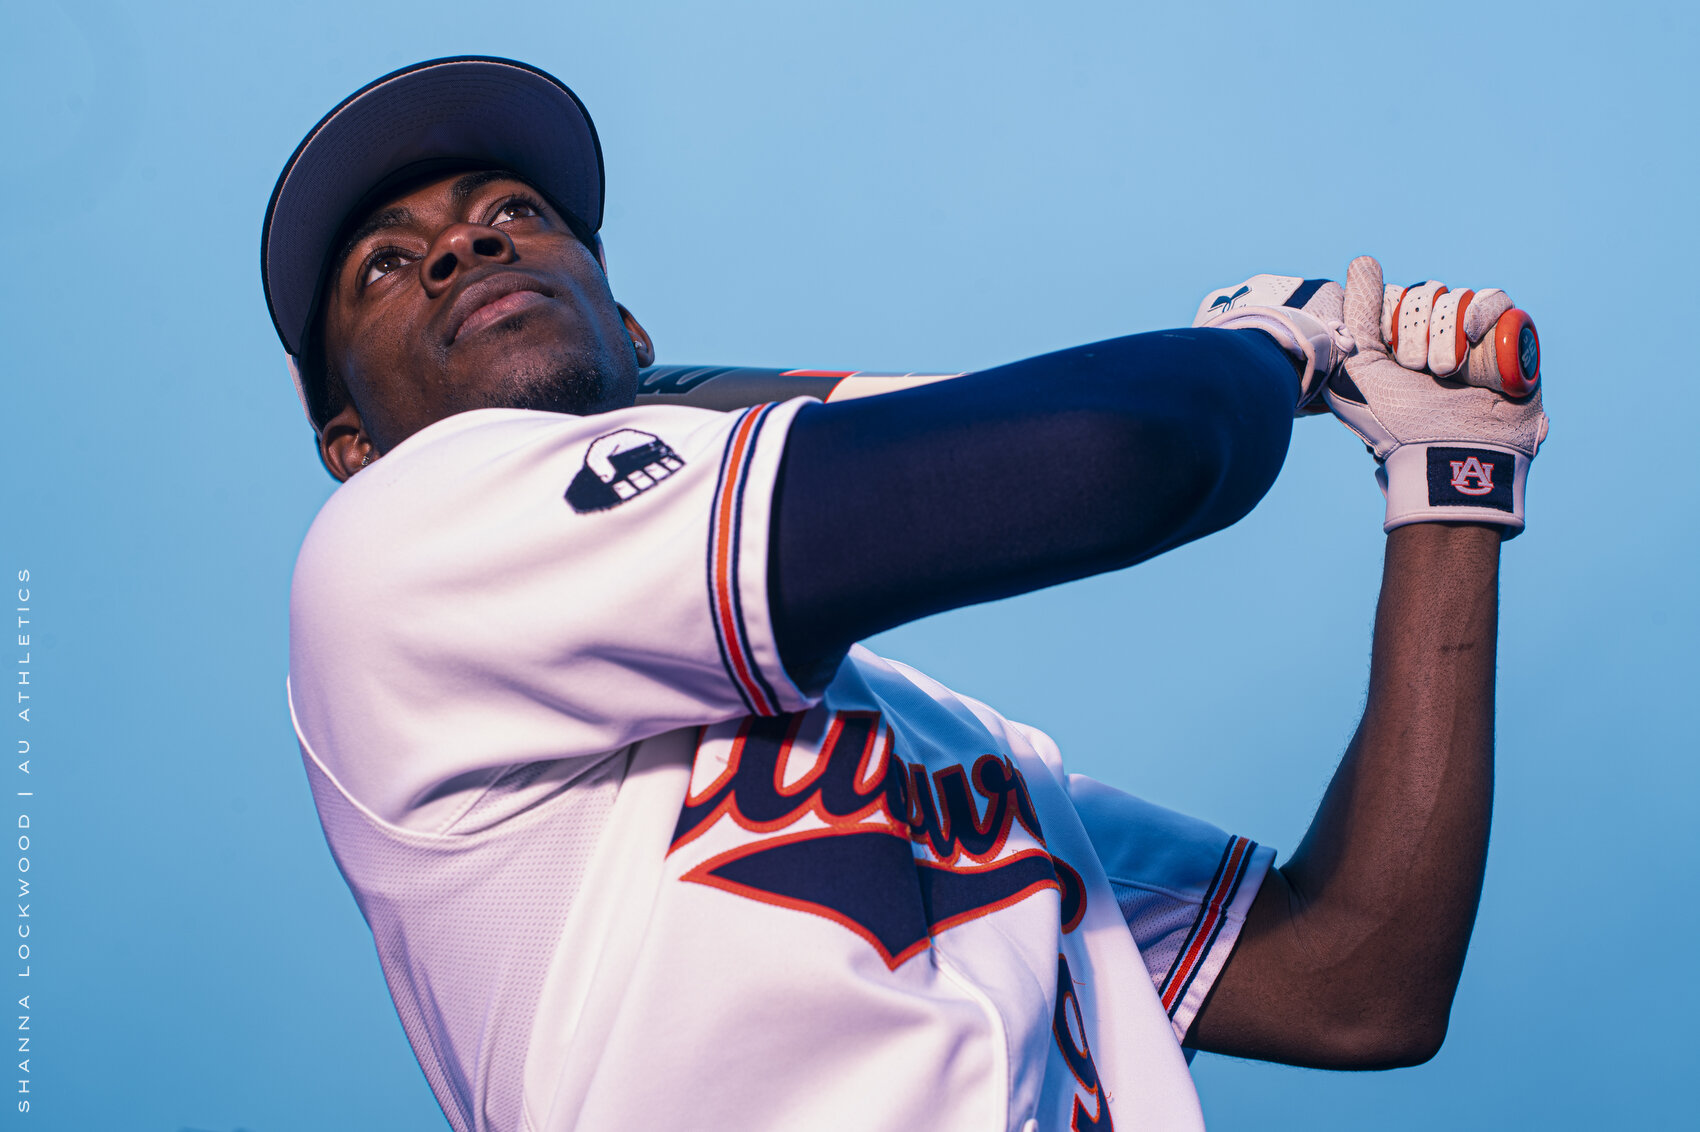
pixel 1410 324
pixel 1448 348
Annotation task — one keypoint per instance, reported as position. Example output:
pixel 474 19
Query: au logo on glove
pixel 1470 477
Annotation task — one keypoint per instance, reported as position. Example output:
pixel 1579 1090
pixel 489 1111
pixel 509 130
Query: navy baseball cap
pixel 470 109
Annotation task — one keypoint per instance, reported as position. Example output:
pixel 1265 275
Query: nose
pixel 461 247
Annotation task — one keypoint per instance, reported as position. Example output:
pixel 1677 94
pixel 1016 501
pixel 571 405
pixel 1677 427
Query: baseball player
pixel 645 839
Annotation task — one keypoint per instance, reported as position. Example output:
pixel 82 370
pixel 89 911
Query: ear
pixel 640 337
pixel 344 446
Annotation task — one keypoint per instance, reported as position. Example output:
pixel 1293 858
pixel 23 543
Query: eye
pixel 380 263
pixel 516 208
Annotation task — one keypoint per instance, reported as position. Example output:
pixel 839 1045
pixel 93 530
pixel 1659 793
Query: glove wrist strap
pixel 1309 342
pixel 1454 482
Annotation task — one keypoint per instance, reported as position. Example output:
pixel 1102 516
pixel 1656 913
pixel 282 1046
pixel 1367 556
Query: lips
pixel 490 300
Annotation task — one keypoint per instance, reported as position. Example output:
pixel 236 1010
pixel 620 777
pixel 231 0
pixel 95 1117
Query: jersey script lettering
pixel 940 858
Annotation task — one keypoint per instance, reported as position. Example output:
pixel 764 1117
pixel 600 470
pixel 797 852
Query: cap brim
pixel 471 108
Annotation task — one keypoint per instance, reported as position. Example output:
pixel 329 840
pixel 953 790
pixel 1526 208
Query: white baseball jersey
pixel 623 873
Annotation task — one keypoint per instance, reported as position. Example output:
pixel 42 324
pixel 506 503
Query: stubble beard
pixel 569 380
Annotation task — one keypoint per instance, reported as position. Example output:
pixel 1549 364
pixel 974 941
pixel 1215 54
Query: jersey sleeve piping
pixel 733 535
pixel 1215 929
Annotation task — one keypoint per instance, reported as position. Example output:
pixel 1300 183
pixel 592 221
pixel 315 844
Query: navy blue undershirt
pixel 892 508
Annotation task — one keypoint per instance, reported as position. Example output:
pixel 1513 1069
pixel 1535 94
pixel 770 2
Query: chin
pixel 533 361
pixel 560 382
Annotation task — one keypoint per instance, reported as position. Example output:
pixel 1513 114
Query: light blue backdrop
pixel 878 185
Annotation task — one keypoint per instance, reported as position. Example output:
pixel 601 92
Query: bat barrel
pixel 726 387
pixel 735 387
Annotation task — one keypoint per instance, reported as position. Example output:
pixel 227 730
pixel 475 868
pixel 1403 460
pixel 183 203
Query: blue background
pixel 874 185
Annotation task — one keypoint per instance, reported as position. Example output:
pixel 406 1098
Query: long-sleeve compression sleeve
pixel 892 508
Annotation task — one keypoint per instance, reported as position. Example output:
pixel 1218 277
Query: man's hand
pixel 1447 451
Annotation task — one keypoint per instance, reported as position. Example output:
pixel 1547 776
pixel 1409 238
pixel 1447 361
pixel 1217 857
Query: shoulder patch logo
pixel 618 466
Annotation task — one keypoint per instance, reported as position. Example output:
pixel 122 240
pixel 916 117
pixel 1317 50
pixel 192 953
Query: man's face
pixel 468 292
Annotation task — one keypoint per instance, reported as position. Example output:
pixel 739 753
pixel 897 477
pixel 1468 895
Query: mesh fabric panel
pixel 466 923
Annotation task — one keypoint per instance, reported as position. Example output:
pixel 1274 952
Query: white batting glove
pixel 1303 315
pixel 1446 452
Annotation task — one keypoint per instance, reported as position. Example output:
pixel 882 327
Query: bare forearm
pixel 1352 951
pixel 1390 873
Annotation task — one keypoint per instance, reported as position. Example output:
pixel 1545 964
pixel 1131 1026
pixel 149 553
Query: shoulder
pixel 489 465
pixel 488 449
pixel 547 571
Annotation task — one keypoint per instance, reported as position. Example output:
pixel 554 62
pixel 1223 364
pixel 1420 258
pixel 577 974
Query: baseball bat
pixel 1507 360
pixel 735 387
